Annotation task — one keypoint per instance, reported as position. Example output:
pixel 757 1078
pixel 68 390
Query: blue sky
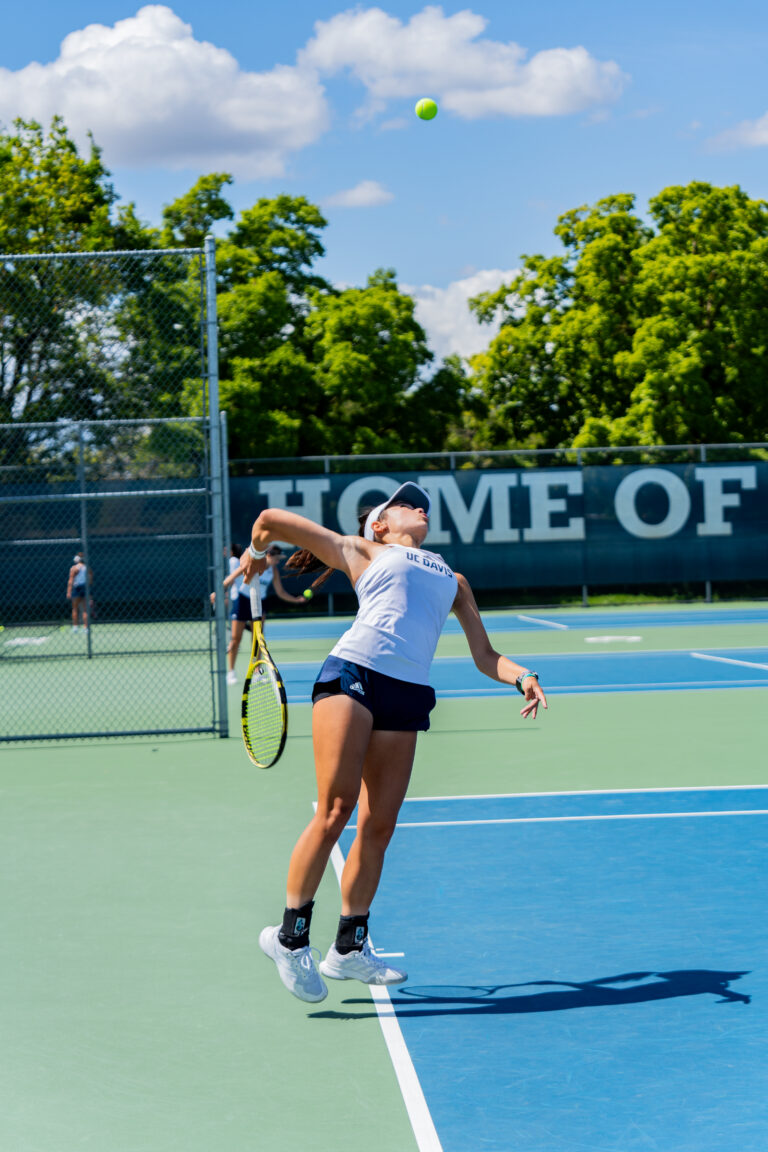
pixel 542 108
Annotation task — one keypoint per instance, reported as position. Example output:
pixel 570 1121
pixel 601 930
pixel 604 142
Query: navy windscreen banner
pixel 556 527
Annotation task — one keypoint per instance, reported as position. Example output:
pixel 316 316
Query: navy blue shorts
pixel 243 609
pixel 396 705
pixel 79 591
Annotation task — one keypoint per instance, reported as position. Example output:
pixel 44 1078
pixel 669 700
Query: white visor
pixel 407 493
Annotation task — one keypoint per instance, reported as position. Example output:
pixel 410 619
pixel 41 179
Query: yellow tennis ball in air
pixel 307 593
pixel 426 109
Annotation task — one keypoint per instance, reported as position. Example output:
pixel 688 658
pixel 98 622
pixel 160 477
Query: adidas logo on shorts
pixel 357 687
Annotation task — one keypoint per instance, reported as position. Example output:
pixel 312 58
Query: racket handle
pixel 255 592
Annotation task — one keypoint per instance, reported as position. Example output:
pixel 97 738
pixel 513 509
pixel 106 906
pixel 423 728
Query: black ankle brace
pixel 295 930
pixel 352 933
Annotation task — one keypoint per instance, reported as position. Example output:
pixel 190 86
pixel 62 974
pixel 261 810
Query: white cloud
pixel 445 316
pixel 364 195
pixel 153 95
pixel 441 56
pixel 747 134
pixel 394 125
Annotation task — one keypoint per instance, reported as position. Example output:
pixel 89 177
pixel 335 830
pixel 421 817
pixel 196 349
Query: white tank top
pixel 237 583
pixel 405 596
pixel 265 582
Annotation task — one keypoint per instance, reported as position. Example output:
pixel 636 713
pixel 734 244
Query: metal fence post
pixel 225 482
pixel 217 495
pixel 84 534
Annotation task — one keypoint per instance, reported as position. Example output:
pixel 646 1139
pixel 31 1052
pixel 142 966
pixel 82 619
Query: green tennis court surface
pixel 139 1012
pixel 122 678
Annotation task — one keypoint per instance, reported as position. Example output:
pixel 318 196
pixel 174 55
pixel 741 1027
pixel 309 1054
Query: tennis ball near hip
pixel 307 593
pixel 426 109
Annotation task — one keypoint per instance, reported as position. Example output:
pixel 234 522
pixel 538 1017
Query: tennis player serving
pixel 371 698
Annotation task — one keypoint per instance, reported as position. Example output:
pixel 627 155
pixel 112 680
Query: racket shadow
pixel 561 995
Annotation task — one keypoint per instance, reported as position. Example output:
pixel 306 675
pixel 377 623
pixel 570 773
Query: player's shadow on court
pixel 499 1000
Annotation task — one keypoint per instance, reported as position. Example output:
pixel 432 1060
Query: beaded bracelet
pixel 521 677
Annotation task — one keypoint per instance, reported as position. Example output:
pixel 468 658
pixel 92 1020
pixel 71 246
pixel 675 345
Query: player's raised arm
pixel 348 554
pixel 490 662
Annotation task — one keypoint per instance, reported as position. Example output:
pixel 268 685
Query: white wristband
pixel 255 553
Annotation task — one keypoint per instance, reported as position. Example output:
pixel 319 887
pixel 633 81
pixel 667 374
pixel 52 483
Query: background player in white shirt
pixel 240 601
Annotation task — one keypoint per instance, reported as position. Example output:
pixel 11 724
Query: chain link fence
pixel 111 508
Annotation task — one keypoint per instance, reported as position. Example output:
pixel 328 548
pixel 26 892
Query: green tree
pixel 52 199
pixel 369 351
pixel 276 235
pixel 158 319
pixel 268 382
pixel 306 369
pixel 439 409
pixel 564 319
pixel 697 366
pixel 188 220
pixel 639 333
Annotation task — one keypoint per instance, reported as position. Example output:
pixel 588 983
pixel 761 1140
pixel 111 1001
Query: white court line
pixel 422 1123
pixel 544 623
pixel 589 792
pixel 571 819
pixel 728 660
pixel 576 655
pixel 568 819
pixel 612 639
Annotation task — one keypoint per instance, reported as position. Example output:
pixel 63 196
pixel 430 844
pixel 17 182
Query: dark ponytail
pixel 305 561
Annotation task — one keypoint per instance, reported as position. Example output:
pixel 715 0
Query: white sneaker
pixel 297 969
pixel 363 965
pixel 232 677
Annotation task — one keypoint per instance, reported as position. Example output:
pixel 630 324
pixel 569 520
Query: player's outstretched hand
pixel 534 695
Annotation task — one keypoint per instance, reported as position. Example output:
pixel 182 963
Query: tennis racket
pixel 264 708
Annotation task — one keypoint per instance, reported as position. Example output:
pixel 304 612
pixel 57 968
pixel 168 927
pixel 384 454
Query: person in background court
pixel 269 581
pixel 234 571
pixel 80 577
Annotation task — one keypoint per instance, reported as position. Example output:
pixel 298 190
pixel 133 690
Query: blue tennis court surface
pixel 590 672
pixel 587 971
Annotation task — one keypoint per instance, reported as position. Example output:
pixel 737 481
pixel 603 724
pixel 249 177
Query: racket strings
pixel 264 714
